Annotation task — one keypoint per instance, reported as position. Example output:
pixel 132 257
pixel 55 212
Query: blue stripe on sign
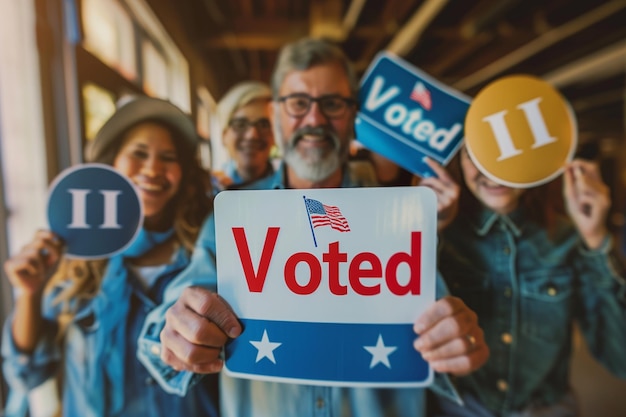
pixel 333 352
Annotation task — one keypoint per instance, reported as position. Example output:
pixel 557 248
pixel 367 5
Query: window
pixel 109 35
pixel 155 71
pixel 205 107
pixel 127 37
pixel 99 105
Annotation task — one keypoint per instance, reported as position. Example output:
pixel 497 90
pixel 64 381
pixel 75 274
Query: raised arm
pixel 587 200
pixel 28 272
pixel 447 191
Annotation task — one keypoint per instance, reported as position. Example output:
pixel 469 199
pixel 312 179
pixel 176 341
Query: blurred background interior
pixel 64 64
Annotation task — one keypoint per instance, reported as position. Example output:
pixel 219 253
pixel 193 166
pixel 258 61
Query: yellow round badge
pixel 520 131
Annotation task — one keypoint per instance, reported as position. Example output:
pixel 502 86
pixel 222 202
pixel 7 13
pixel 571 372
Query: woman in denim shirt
pixel 530 274
pixel 78 320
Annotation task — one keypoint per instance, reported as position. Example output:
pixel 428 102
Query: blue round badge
pixel 95 210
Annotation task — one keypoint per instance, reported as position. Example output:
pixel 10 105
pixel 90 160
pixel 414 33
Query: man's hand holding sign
pixel 336 298
pixel 200 323
pixel 327 293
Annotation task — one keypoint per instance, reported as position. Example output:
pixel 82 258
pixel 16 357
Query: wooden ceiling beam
pixel 539 44
pixel 250 41
pixel 408 36
pixel 376 31
pixel 254 59
pixel 255 33
pixel 598 65
pixel 326 19
pixel 389 19
pixel 471 27
pixel 271 8
pixel 245 7
pixel 602 99
pixel 456 54
pixel 352 16
pixel 267 24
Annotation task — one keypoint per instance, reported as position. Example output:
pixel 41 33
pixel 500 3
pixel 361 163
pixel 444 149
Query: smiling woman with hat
pixel 79 319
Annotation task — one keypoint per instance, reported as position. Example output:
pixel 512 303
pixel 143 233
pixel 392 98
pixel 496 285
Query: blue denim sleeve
pixel 601 305
pixel 201 271
pixel 442 385
pixel 22 371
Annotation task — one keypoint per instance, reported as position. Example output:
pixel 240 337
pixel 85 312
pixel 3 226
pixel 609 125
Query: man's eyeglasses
pixel 331 106
pixel 241 125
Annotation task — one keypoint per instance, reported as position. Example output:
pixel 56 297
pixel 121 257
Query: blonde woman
pixel 244 117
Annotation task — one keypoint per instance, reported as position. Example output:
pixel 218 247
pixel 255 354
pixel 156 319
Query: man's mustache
pixel 315 131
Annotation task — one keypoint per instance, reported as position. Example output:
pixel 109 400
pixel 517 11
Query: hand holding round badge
pixel 95 210
pixel 520 131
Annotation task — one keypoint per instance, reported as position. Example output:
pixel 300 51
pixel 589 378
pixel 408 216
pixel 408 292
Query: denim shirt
pixel 230 170
pixel 251 398
pixel 101 376
pixel 528 289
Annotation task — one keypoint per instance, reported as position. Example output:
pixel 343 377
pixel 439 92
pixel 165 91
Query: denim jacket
pixel 248 398
pixel 230 171
pixel 528 289
pixel 101 376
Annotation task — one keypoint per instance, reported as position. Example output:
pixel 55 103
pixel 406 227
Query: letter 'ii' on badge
pixel 95 210
pixel 520 131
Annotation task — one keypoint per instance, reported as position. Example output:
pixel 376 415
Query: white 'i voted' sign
pixel 95 210
pixel 404 115
pixel 327 283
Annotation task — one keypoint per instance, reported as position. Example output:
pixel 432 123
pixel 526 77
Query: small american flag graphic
pixel 421 95
pixel 323 215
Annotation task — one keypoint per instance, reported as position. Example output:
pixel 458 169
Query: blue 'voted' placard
pixel 95 210
pixel 405 114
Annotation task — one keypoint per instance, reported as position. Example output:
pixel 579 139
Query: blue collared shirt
pixel 528 288
pixel 247 398
pixel 230 171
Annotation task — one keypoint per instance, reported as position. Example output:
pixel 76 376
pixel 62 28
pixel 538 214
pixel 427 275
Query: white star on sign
pixel 265 348
pixel 380 352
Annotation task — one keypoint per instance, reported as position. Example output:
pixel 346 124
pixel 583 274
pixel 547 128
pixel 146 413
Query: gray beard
pixel 316 164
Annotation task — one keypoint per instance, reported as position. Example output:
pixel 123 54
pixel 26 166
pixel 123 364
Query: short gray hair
pixel 307 53
pixel 239 95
